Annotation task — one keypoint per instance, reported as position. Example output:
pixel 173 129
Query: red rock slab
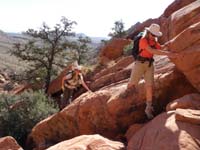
pixel 88 142
pixel 9 143
pixel 188 115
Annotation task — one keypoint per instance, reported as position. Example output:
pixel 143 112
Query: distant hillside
pixel 96 41
pixel 10 63
pixel 7 62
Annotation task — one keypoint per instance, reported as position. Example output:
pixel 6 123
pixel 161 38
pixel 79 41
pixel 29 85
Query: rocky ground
pixel 105 120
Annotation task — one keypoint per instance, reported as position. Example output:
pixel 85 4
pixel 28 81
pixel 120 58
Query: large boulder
pixel 188 115
pixel 122 63
pixel 88 142
pixel 182 29
pixel 132 130
pixel 187 108
pixel 166 133
pixel 9 143
pixel 112 50
pixel 188 60
pixel 184 18
pixel 190 101
pixel 176 5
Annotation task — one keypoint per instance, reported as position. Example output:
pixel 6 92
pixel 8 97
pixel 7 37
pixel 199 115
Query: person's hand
pixel 173 55
pixel 165 48
pixel 90 91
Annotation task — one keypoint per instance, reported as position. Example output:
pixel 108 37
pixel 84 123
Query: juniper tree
pixel 80 50
pixel 118 30
pixel 45 50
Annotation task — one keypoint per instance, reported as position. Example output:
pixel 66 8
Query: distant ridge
pixel 7 39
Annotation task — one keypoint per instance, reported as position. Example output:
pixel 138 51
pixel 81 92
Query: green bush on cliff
pixel 19 113
pixel 128 49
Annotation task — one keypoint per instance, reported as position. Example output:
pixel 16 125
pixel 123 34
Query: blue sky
pixel 94 17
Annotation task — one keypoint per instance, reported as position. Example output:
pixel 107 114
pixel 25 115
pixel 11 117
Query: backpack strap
pixel 70 74
pixel 135 49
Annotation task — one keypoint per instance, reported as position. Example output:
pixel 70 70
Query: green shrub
pixel 19 113
pixel 127 49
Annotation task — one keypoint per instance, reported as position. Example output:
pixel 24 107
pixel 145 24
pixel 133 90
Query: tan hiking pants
pixel 142 70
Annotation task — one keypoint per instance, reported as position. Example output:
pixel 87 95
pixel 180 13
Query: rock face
pixel 187 108
pixel 184 18
pixel 105 112
pixel 187 42
pixel 88 142
pixel 166 133
pixel 184 30
pixel 191 101
pixel 188 115
pixel 176 5
pixel 119 65
pixel 132 130
pixel 112 50
pixel 9 143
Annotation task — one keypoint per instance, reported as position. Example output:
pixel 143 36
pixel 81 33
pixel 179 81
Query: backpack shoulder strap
pixel 70 74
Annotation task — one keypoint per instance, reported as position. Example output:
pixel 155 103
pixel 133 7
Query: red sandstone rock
pixel 191 101
pixel 189 56
pixel 166 133
pixel 9 143
pixel 176 5
pixel 112 50
pixel 184 18
pixel 132 130
pixel 188 115
pixel 88 142
pixel 119 65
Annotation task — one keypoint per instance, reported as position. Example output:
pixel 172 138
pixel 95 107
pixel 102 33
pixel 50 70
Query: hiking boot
pixel 149 112
pixel 128 92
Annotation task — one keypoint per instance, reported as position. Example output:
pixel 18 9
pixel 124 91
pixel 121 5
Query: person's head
pixel 153 31
pixel 76 67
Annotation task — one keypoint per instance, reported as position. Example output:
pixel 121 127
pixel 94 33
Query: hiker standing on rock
pixel 72 80
pixel 148 46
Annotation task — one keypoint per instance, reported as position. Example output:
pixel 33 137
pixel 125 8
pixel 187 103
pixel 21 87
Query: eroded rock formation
pixel 106 113
pixel 9 143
